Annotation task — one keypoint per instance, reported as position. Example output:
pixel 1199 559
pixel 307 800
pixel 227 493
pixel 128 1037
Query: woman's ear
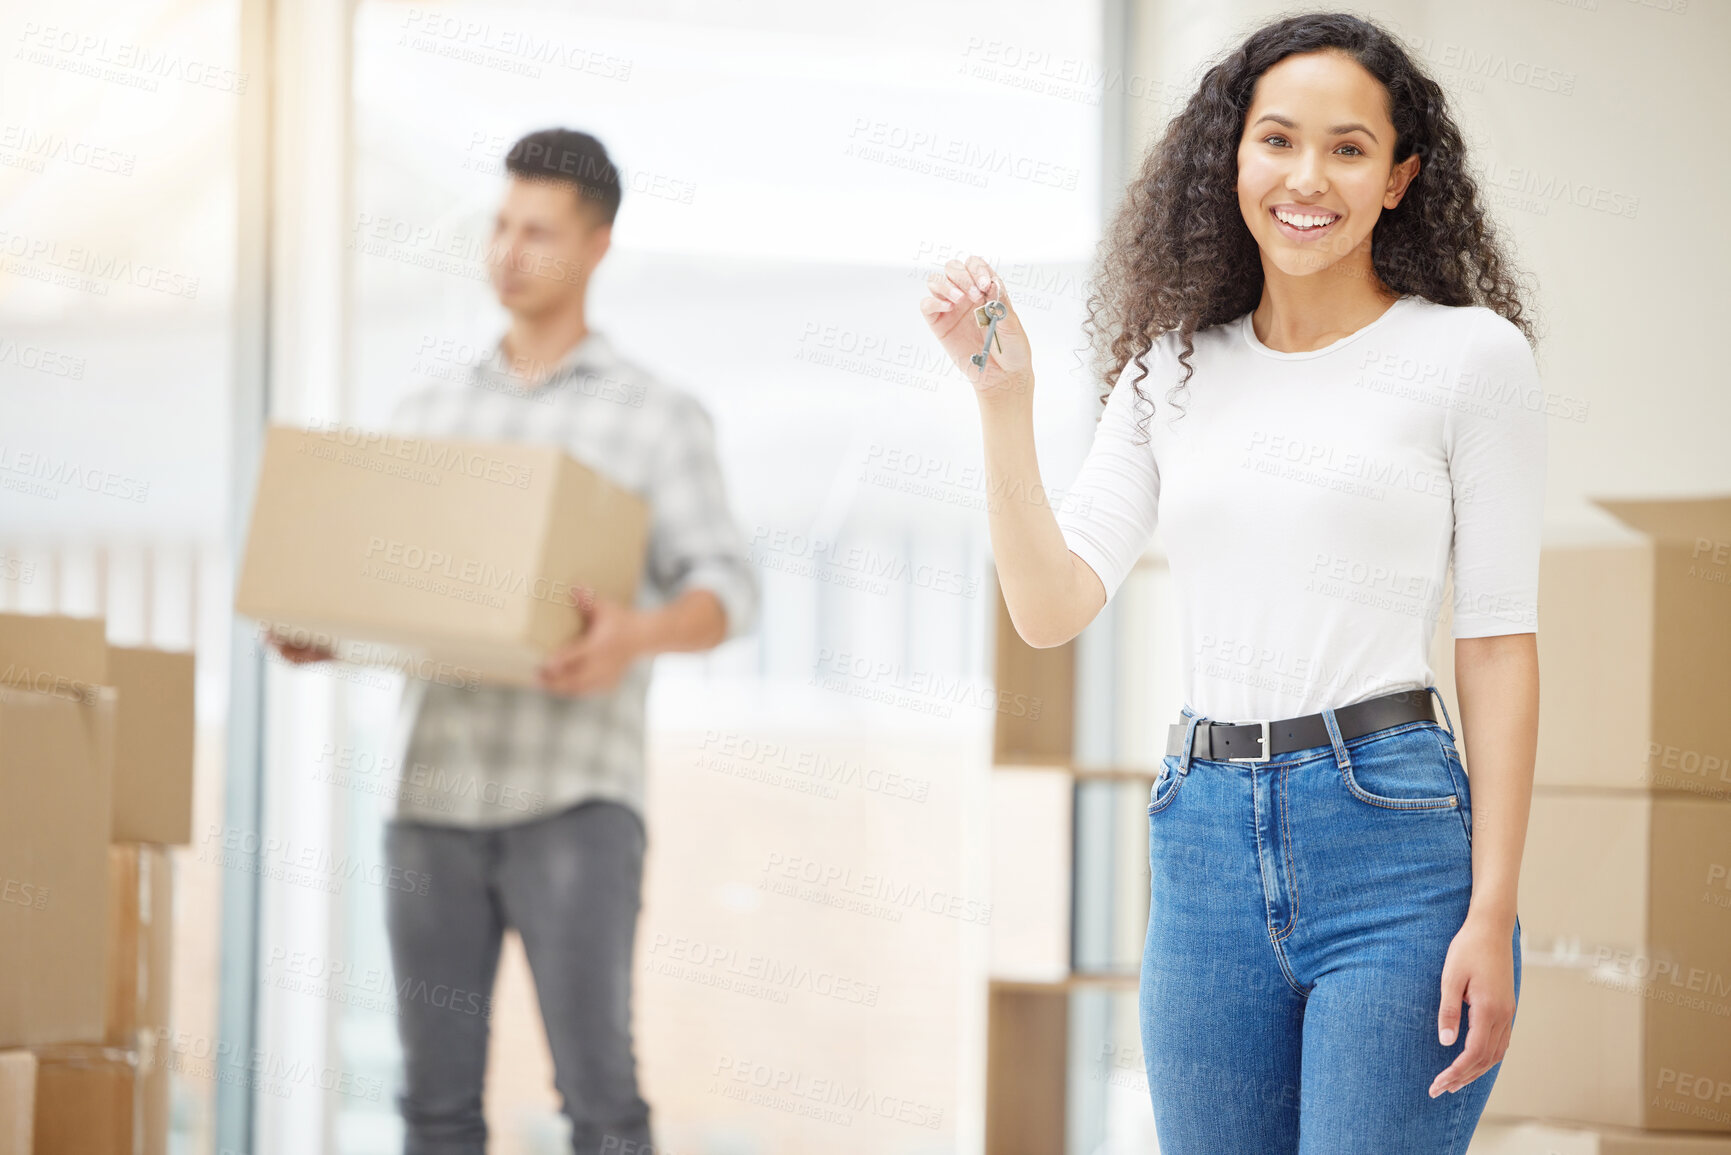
pixel 1398 179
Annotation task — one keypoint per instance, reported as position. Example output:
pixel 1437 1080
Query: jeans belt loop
pixel 1339 743
pixel 1189 742
pixel 1445 710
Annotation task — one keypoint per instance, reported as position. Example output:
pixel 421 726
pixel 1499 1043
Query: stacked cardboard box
pixel 140 936
pixel 17 1102
pixel 86 1100
pixel 1624 1017
pixel 153 745
pixel 56 769
pixel 1530 1137
pixel 451 561
pixel 96 767
pixel 1626 989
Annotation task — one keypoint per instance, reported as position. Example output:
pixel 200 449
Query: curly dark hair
pixel 1179 257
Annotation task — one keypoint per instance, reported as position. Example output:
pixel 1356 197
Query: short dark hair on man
pixel 573 158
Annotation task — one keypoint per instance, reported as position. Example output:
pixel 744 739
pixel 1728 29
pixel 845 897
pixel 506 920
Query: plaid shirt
pixel 501 754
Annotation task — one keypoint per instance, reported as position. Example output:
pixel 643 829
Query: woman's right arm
pixel 1050 592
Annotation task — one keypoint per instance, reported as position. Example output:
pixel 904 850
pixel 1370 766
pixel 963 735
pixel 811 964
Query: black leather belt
pixel 1258 741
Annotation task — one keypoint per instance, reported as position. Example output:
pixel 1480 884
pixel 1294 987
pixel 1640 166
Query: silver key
pixel 982 320
pixel 989 315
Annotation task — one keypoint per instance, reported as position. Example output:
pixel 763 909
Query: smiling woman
pixel 1304 218
pixel 1313 180
pixel 1329 119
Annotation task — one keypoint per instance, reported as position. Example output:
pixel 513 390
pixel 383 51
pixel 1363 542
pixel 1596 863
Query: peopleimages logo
pixel 46 468
pixel 21 893
pixel 441 457
pixel 923 691
pixel 431 786
pixel 893 892
pixel 47 682
pixel 485 577
pixel 694 960
pixel 797 1092
pixel 812 555
pixel 302 864
pixel 730 751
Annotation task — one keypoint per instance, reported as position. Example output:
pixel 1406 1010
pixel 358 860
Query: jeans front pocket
pixel 1463 788
pixel 1404 771
pixel 1166 785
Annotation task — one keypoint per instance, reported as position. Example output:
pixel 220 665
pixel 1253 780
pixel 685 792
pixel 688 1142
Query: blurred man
pixel 534 816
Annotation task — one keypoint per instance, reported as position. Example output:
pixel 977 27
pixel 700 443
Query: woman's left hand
pixel 1479 969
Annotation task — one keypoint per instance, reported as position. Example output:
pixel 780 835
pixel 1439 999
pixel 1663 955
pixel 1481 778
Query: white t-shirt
pixel 1308 502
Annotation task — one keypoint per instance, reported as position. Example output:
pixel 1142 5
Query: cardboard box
pixel 152 1100
pixel 1033 723
pixel 56 767
pixel 153 739
pixel 53 653
pixel 1634 654
pixel 1609 875
pixel 140 937
pixel 1027 1044
pixel 17 1102
pixel 84 1100
pixel 1533 1137
pixel 449 560
pixel 1603 1043
pixel 1625 1005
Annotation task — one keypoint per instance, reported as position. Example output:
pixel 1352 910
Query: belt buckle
pixel 1266 752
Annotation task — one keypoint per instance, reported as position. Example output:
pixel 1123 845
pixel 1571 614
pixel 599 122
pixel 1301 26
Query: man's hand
pixel 297 653
pixel 614 636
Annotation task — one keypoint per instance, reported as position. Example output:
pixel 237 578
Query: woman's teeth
pixel 1299 221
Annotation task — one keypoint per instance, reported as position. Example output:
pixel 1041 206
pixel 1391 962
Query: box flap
pixel 55 770
pixel 154 738
pixel 1674 520
pixel 53 653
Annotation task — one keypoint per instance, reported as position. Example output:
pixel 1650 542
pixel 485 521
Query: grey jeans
pixel 570 884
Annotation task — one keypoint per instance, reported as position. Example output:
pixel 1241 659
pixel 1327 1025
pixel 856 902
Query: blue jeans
pixel 1301 910
pixel 570 883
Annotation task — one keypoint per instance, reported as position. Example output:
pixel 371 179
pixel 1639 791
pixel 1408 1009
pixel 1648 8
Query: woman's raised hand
pixel 953 297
